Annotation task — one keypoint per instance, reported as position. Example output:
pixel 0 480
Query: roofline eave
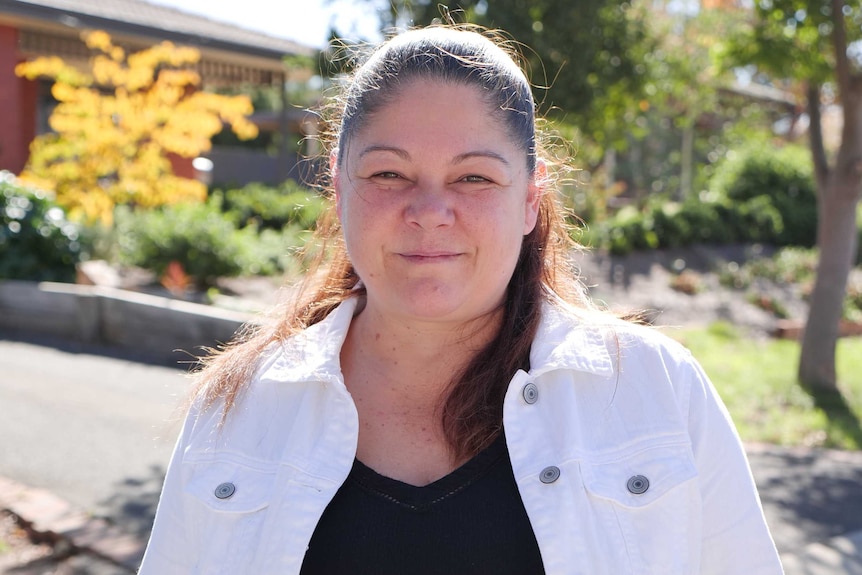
pixel 84 21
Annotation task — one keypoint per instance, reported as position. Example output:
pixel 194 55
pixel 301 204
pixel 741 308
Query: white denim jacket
pixel 625 458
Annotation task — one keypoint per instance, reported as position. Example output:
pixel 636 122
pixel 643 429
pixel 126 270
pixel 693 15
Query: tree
pixel 630 82
pixel 116 125
pixel 814 42
pixel 586 56
pixel 687 118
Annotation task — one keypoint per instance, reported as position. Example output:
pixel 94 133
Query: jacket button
pixel 549 474
pixel 225 490
pixel 637 484
pixel 530 393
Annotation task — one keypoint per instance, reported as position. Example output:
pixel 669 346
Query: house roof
pixel 141 18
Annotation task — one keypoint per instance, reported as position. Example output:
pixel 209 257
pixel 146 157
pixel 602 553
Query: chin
pixel 437 300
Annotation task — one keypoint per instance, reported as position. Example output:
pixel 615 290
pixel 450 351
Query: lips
pixel 430 256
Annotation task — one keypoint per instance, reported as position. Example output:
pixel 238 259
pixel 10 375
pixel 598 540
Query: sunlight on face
pixel 434 198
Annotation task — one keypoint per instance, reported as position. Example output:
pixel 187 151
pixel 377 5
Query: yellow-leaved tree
pixel 115 125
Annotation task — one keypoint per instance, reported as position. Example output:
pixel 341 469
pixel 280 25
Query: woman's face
pixel 434 199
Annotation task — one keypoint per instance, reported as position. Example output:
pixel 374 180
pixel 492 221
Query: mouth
pixel 429 257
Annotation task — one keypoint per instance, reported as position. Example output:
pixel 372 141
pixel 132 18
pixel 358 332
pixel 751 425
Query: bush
pixel 36 241
pixel 204 240
pixel 788 266
pixel 272 208
pixel 782 177
pixel 198 236
pixel 758 196
pixel 244 231
pixel 674 225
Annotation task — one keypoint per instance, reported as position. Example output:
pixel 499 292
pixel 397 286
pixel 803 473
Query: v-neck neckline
pixel 422 497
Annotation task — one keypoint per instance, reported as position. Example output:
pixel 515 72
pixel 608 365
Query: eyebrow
pixel 401 153
pixel 404 154
pixel 480 154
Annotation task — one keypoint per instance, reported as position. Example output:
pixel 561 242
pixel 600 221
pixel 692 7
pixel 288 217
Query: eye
pixel 386 175
pixel 475 179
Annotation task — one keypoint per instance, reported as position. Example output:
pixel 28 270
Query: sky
pixel 304 21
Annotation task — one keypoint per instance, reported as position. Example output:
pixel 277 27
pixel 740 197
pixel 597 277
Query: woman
pixel 446 400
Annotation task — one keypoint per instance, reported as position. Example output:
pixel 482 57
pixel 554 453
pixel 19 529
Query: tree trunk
pixel 836 240
pixel 838 195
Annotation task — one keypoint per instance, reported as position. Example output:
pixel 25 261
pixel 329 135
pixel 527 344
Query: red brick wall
pixel 182 166
pixel 17 105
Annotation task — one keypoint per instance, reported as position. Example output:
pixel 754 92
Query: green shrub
pixel 758 221
pixel 787 266
pixel 272 208
pixel 671 225
pixel 198 236
pixel 627 231
pixel 204 240
pixel 705 223
pixel 674 225
pixel 781 176
pixel 759 195
pixel 36 241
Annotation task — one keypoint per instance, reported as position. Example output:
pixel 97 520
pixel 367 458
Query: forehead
pixel 424 108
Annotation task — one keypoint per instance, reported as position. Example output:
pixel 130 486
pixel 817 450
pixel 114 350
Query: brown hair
pixel 471 411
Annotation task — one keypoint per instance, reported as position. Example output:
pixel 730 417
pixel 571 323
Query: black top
pixel 470 522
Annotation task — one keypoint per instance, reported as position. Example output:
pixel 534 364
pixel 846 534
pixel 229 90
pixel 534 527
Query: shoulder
pixel 626 363
pixel 593 332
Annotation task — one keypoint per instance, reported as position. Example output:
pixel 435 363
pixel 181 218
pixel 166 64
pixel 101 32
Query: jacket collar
pixel 563 341
pixel 314 354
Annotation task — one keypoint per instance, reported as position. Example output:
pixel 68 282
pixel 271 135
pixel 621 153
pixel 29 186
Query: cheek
pixel 501 234
pixel 363 228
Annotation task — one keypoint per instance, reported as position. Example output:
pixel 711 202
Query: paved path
pixel 97 432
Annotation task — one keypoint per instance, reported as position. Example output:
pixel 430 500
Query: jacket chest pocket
pixel 650 500
pixel 227 505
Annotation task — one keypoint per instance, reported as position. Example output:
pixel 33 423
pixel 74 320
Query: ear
pixel 535 191
pixel 335 173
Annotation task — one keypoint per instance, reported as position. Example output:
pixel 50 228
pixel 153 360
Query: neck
pixel 423 356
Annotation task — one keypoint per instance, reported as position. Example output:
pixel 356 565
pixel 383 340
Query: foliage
pixel 757 381
pixel 787 266
pixel 782 175
pixel 761 195
pixel 116 125
pixel 36 240
pixel 789 39
pixel 687 120
pixel 196 235
pixel 665 224
pixel 214 239
pixel 272 208
pixel 816 45
pixel 586 57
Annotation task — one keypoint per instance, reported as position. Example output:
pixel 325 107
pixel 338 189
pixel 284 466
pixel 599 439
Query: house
pixel 230 56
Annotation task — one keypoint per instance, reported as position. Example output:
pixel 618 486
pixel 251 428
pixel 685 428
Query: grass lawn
pixel 757 381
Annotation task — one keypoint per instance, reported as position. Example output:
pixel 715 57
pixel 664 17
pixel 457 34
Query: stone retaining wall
pixel 154 326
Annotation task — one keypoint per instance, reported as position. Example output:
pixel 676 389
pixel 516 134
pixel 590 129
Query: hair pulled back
pixel 447 55
pixel 471 410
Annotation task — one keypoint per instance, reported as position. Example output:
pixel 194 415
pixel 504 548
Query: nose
pixel 429 207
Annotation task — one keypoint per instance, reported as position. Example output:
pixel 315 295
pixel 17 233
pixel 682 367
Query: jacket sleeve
pixel 168 551
pixel 735 536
